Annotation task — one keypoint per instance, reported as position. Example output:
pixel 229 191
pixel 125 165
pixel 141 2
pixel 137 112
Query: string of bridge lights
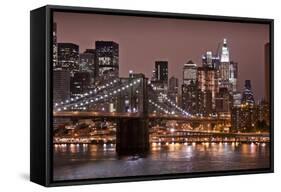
pixel 175 105
pixel 170 101
pixel 159 107
pixel 77 98
pixel 104 96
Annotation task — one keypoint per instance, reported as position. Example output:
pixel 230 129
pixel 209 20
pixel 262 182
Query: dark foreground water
pixel 93 161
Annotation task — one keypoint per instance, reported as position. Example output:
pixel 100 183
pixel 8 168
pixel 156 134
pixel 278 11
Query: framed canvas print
pixel 119 95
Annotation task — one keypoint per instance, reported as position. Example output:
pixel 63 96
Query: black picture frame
pixel 41 93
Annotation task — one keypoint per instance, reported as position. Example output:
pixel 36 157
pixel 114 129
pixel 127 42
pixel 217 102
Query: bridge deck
pixel 116 115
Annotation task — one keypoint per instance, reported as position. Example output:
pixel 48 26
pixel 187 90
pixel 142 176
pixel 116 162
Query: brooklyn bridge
pixel 133 103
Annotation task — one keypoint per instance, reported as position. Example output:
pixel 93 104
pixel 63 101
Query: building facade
pixel 189 72
pixel 87 63
pixel 107 59
pixel 68 56
pixel 61 85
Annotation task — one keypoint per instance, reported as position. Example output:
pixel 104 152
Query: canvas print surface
pixel 137 96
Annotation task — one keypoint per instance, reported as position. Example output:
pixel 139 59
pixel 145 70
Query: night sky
pixel 144 40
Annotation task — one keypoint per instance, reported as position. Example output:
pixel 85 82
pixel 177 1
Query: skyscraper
pixel 80 83
pixel 237 96
pixel 107 59
pixel 210 60
pixel 233 75
pixel 207 83
pixel 192 98
pixel 266 71
pixel 225 58
pixel 160 81
pixel 223 101
pixel 173 84
pixel 87 62
pixel 68 56
pixel 189 72
pixel 173 90
pixel 55 46
pixel 248 96
pixel 224 67
pixel 161 71
pixel 61 85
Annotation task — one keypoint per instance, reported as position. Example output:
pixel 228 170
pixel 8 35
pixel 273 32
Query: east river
pixel 89 161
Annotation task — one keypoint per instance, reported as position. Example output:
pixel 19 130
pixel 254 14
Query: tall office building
pixel 233 76
pixel 224 67
pixel 68 56
pixel 161 71
pixel 61 85
pixel 80 83
pixel 160 79
pixel 267 71
pixel 210 60
pixel 55 46
pixel 107 59
pixel 189 72
pixel 192 98
pixel 87 63
pixel 223 101
pixel 248 96
pixel 208 84
pixel 237 97
pixel 173 84
pixel 243 118
pixel 173 90
pixel 249 118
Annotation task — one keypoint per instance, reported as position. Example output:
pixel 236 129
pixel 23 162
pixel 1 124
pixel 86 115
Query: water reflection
pixel 82 161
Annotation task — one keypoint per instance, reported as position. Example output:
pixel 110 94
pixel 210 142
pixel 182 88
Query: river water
pixel 98 161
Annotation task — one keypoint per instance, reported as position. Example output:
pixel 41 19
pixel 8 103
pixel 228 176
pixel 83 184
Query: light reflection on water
pixel 82 161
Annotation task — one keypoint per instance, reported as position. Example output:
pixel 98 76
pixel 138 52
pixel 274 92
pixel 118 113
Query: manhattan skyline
pixel 143 41
pixel 158 96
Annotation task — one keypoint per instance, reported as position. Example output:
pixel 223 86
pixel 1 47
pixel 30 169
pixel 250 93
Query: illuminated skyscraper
pixel 55 46
pixel 227 70
pixel 266 71
pixel 107 59
pixel 224 67
pixel 80 83
pixel 223 101
pixel 192 98
pixel 210 60
pixel 87 63
pixel 225 52
pixel 173 90
pixel 161 71
pixel 68 56
pixel 189 72
pixel 248 96
pixel 160 81
pixel 237 96
pixel 207 83
pixel 61 85
pixel 233 75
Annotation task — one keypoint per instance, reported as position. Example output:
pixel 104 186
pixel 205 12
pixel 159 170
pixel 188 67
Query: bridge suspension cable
pixel 86 94
pixel 165 97
pixel 159 107
pixel 96 98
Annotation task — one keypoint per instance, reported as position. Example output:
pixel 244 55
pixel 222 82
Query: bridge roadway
pixel 214 134
pixel 116 115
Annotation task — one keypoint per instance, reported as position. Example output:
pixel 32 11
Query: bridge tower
pixel 132 137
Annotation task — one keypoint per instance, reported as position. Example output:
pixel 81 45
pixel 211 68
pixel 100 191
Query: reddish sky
pixel 143 40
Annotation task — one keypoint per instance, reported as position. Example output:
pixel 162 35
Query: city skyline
pixel 256 34
pixel 141 91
